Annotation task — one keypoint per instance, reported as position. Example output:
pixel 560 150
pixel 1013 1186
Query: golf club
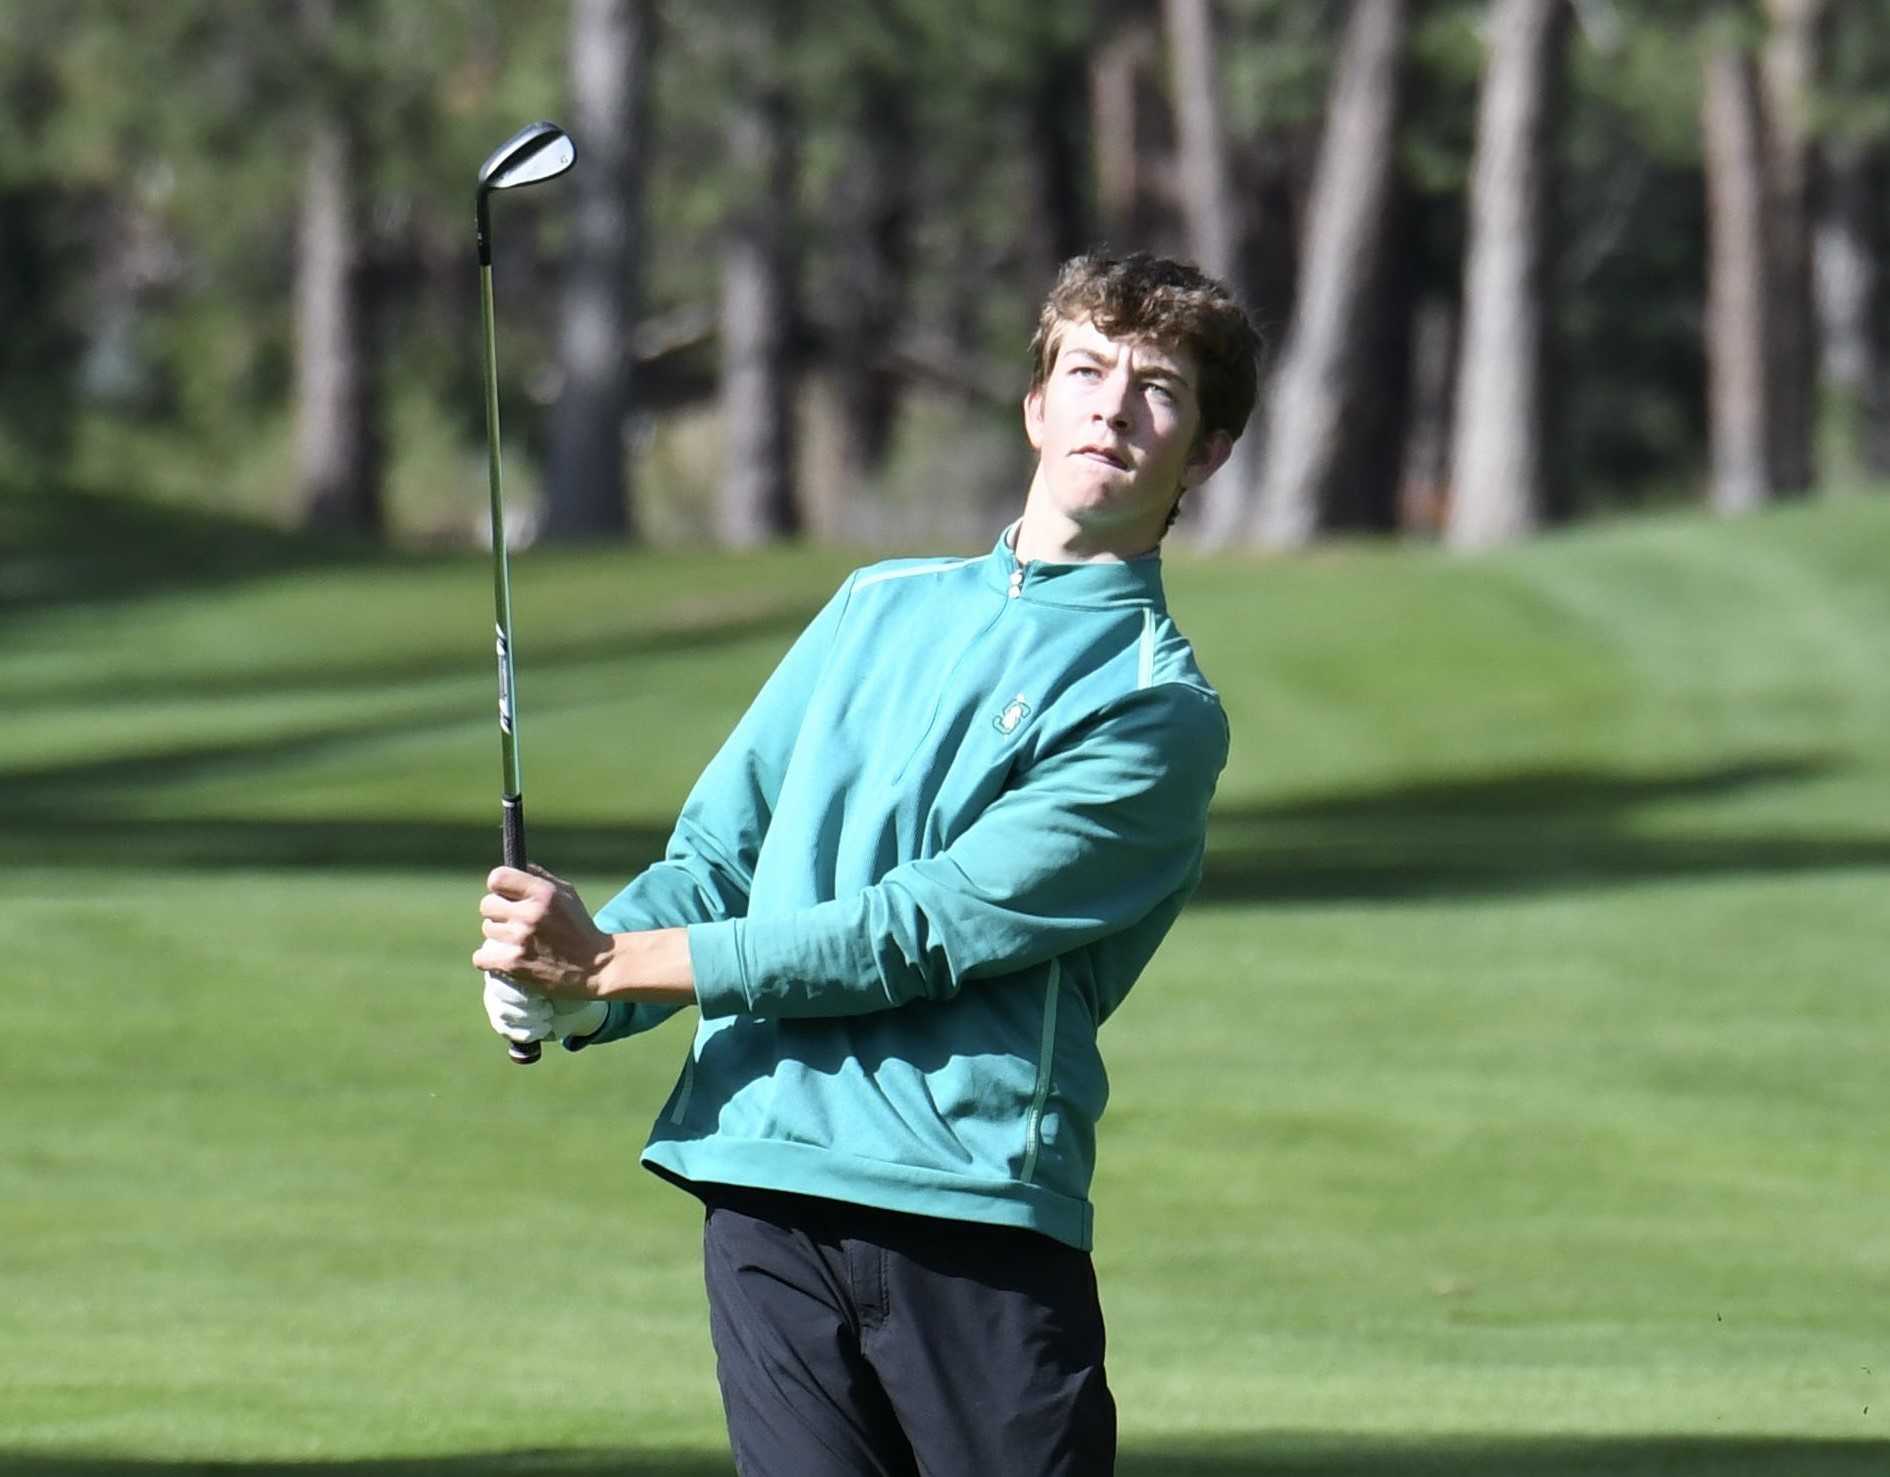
pixel 538 151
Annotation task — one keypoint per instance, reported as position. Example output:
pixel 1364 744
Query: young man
pixel 928 863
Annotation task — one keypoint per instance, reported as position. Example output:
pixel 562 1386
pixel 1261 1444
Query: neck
pixel 1046 534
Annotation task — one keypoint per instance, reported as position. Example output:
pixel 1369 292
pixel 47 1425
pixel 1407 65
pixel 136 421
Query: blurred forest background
pixel 1517 261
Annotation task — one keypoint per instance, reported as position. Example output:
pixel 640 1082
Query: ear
pixel 1033 418
pixel 1207 458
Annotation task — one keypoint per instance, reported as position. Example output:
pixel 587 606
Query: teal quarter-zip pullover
pixel 928 863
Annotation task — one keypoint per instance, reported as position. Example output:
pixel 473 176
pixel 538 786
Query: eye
pixel 1085 371
pixel 1162 393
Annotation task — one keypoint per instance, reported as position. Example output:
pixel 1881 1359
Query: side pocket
pixel 1046 1061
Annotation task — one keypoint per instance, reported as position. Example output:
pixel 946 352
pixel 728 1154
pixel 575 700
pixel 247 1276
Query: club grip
pixel 512 822
pixel 512 812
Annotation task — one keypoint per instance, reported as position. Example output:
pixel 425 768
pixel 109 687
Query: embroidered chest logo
pixel 1015 712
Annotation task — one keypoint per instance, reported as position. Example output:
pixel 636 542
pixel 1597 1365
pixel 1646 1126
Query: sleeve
pixel 1089 840
pixel 709 864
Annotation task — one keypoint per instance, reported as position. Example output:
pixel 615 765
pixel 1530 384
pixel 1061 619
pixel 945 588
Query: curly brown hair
pixel 1168 302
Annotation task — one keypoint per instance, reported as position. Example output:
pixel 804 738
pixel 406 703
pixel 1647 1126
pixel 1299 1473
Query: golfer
pixel 926 866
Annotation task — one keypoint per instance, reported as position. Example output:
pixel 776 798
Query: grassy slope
pixel 1517 1078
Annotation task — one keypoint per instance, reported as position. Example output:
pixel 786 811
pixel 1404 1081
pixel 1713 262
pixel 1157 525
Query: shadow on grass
pixel 288 845
pixel 62 546
pixel 777 623
pixel 1286 1455
pixel 81 795
pixel 1536 831
pixel 1547 831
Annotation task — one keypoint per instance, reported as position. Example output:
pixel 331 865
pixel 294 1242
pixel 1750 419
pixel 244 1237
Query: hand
pixel 540 935
pixel 525 1015
pixel 518 1015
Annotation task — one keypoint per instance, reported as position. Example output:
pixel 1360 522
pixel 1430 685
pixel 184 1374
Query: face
pixel 1116 425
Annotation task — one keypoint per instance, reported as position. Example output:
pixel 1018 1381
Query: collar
pixel 1102 585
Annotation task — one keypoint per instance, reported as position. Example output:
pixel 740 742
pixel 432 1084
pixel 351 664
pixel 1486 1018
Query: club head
pixel 538 151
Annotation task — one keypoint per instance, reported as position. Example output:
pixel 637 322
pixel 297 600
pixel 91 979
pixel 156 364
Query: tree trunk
pixel 1207 197
pixel 1852 299
pixel 1323 375
pixel 1790 70
pixel 1117 129
pixel 1212 214
pixel 589 483
pixel 1499 451
pixel 1736 318
pixel 874 258
pixel 757 501
pixel 1367 476
pixel 1059 121
pixel 338 438
pixel 1424 471
pixel 1845 267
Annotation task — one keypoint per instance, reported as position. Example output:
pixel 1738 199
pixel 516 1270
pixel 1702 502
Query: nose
pixel 1112 405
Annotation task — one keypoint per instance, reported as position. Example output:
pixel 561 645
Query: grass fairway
pixel 1512 1101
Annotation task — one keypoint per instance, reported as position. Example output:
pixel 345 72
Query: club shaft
pixel 509 784
pixel 511 798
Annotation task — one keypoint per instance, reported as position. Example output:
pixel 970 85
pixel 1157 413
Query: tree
pixel 872 250
pixel 1853 296
pixel 339 445
pixel 1737 319
pixel 1761 329
pixel 1789 66
pixel 155 234
pixel 1851 240
pixel 1213 217
pixel 44 282
pixel 757 500
pixel 1424 467
pixel 589 488
pixel 609 61
pixel 302 165
pixel 1119 126
pixel 1321 394
pixel 1057 126
pixel 1207 198
pixel 1499 454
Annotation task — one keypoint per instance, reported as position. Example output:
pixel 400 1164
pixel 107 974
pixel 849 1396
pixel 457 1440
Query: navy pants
pixel 850 1341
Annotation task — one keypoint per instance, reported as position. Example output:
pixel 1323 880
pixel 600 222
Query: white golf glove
pixel 525 1015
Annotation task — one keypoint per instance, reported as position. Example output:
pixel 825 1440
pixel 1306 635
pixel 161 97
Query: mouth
pixel 1102 454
